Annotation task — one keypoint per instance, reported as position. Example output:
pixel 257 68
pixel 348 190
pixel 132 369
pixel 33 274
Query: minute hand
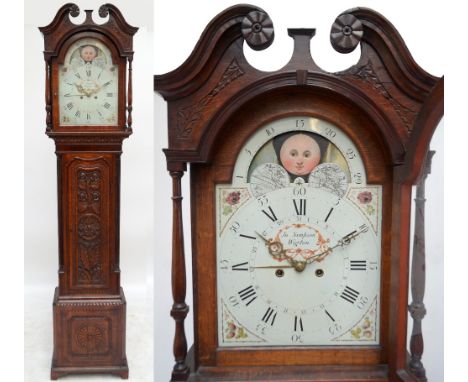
pixel 345 240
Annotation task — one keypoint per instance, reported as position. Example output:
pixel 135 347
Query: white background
pixel 40 198
pixel 177 29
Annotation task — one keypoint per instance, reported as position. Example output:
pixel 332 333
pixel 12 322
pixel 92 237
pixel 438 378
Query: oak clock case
pixel 300 189
pixel 88 114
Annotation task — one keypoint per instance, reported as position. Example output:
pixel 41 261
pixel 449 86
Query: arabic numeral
pixel 260 328
pixel 263 200
pixel 235 227
pixel 269 131
pixel 373 265
pixel 224 264
pixel 350 154
pixel 362 302
pixel 299 191
pixel 300 123
pixel 357 178
pixel 334 328
pixel 248 151
pixel 329 132
pixel 233 300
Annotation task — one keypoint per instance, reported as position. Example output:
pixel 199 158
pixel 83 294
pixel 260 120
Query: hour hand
pixel 275 248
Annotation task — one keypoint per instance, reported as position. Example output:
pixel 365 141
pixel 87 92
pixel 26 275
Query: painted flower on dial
pixel 233 198
pixel 235 332
pixel 365 197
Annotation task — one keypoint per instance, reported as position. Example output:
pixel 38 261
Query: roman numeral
pixel 329 315
pixel 88 116
pixel 107 105
pixel 300 206
pixel 240 267
pixel 350 295
pixel 107 83
pixel 88 72
pixel 248 294
pixel 270 313
pixel 247 236
pixel 358 265
pixel 329 213
pixel 272 216
pixel 77 75
pixel 298 324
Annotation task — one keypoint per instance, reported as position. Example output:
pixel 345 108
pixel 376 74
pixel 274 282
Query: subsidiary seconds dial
pixel 298 266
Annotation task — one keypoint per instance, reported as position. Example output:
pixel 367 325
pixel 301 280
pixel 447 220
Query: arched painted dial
pixel 88 86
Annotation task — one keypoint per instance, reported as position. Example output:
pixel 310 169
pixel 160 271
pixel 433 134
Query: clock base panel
pixel 89 335
pixel 329 373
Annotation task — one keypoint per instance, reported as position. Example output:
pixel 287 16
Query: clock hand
pixel 275 248
pixel 345 240
pixel 298 266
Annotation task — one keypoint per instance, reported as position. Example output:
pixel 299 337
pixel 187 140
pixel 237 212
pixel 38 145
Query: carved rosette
pixel 257 29
pixel 89 227
pixel 91 338
pixel 346 33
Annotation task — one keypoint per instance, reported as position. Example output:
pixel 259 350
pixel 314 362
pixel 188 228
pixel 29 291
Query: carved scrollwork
pixel 367 74
pixel 188 117
pixel 346 33
pixel 103 10
pixel 257 29
pixel 74 10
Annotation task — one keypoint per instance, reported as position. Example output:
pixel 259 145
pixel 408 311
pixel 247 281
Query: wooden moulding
pixel 386 103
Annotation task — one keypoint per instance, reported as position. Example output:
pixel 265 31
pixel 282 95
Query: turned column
pixel 179 308
pixel 418 277
pixel 130 94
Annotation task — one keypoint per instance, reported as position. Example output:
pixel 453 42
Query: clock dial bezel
pixel 88 89
pixel 117 60
pixel 261 137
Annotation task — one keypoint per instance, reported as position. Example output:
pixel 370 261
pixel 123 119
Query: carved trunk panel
pixel 89 210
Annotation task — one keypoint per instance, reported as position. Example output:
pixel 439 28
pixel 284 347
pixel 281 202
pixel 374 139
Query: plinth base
pixel 89 336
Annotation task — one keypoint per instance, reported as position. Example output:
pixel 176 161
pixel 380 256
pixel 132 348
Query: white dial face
pixel 88 86
pixel 298 263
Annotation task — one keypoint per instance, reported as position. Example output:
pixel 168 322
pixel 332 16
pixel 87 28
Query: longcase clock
pixel 300 201
pixel 88 104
